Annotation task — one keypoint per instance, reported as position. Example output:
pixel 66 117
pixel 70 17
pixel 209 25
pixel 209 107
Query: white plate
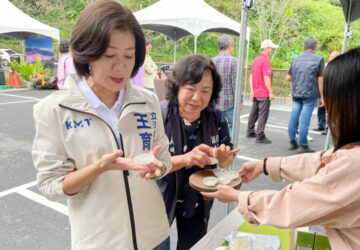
pixel 144 159
pixel 222 248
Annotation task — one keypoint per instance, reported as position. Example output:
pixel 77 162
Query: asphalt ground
pixel 29 221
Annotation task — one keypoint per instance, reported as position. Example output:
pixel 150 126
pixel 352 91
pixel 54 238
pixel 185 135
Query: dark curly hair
pixel 189 70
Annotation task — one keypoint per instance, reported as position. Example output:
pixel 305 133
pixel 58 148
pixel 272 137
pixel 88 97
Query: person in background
pixel 261 92
pixel 139 78
pixel 196 131
pixel 65 63
pixel 150 68
pixel 226 66
pixel 326 184
pixel 88 136
pixel 321 112
pixel 305 73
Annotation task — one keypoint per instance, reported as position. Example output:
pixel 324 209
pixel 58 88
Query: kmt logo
pixel 79 124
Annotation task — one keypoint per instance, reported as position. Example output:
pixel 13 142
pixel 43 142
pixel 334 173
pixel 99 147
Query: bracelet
pixel 264 167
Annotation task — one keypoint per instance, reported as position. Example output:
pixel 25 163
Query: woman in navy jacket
pixel 196 132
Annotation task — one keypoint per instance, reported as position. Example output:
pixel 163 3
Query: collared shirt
pixel 260 68
pixel 304 71
pixel 110 116
pixel 226 66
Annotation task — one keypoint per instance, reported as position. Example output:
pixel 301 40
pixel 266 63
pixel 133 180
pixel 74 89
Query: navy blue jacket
pixel 215 132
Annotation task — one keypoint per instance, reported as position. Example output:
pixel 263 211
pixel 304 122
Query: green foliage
pixel 292 21
pixel 335 2
pixel 28 70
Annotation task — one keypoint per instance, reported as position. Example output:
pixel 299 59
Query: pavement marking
pixel 243 116
pixel 246 158
pixel 19 96
pixel 286 128
pixel 12 90
pixel 18 188
pixel 43 201
pixel 5 103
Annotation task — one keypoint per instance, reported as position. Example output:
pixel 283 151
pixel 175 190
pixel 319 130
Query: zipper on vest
pixel 125 172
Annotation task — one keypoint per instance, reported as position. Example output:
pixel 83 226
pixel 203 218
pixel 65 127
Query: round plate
pixel 196 181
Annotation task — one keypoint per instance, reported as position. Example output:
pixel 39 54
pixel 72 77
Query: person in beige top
pixel 88 137
pixel 150 68
pixel 326 184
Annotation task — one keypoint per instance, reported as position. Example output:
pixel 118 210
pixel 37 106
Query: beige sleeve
pixel 150 66
pixel 329 198
pixel 294 168
pixel 49 154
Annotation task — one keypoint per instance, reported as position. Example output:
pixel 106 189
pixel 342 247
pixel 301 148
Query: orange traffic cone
pixel 11 77
pixel 14 80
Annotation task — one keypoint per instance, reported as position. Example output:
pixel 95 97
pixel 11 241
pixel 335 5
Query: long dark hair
pixel 189 70
pixel 342 97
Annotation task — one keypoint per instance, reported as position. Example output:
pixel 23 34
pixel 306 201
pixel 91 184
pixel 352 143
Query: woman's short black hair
pixel 189 70
pixel 91 35
pixel 342 97
pixel 64 46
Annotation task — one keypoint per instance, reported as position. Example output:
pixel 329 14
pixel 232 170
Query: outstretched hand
pixel 224 193
pixel 198 156
pixel 224 154
pixel 115 161
pixel 250 170
pixel 155 166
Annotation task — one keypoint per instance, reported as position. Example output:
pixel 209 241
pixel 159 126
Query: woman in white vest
pixel 150 68
pixel 88 135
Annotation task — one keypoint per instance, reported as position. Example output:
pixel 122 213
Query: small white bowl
pixel 214 160
pixel 144 159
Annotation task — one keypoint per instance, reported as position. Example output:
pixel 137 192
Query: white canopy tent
pixel 177 19
pixel 351 9
pixel 15 23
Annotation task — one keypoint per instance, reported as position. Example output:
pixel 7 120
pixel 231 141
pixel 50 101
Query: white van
pixel 8 55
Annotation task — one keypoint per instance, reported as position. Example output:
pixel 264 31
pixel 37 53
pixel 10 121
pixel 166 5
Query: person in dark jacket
pixel 196 132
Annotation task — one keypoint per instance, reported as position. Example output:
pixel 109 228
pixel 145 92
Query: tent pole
pixel 174 51
pixel 347 35
pixel 246 5
pixel 246 67
pixel 175 40
pixel 195 44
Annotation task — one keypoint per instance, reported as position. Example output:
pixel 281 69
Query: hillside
pixel 286 22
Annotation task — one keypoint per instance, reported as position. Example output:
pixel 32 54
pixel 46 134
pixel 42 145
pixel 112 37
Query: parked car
pixel 166 68
pixel 9 55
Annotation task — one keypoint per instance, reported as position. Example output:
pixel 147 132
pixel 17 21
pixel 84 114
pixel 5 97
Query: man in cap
pixel 226 66
pixel 261 92
pixel 306 75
